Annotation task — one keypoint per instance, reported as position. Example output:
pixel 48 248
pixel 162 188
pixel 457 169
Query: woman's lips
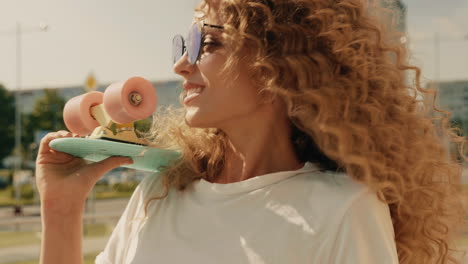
pixel 189 85
pixel 192 91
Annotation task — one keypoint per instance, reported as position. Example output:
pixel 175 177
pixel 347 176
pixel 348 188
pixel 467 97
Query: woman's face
pixel 215 100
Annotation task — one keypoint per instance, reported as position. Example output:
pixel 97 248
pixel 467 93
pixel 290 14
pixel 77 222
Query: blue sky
pixel 117 39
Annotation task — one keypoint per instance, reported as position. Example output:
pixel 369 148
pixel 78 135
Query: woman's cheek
pixel 211 63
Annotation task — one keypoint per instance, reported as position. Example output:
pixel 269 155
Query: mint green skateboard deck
pixel 144 158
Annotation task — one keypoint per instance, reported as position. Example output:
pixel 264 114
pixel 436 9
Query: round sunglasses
pixel 192 44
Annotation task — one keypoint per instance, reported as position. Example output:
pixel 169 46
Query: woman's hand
pixel 64 181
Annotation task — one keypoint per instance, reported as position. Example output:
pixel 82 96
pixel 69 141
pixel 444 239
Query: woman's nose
pixel 183 67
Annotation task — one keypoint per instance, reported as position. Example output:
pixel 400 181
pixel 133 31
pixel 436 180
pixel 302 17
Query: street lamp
pixel 19 31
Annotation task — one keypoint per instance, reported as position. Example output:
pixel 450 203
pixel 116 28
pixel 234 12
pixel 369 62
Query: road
pixel 31 252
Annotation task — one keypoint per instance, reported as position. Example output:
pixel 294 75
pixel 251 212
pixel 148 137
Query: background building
pixel 167 91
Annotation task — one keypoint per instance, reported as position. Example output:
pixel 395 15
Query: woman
pixel 300 142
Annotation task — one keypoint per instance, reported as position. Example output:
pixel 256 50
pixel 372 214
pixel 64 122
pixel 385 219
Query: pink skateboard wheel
pixel 77 113
pixel 130 100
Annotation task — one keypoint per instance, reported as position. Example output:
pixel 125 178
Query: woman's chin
pixel 194 120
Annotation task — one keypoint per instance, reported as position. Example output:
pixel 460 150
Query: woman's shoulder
pixel 328 186
pixel 327 196
pixel 149 183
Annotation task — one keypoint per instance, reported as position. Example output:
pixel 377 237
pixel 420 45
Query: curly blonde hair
pixel 342 78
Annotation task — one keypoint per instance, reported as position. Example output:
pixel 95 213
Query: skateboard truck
pixel 111 115
pixel 122 132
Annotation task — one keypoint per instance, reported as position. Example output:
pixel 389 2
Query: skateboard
pixel 105 122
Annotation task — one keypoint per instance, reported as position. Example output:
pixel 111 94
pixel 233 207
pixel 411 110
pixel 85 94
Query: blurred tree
pixel 462 125
pixel 7 123
pixel 457 122
pixel 46 115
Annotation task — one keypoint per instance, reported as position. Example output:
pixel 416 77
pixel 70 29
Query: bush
pixel 26 191
pixel 125 186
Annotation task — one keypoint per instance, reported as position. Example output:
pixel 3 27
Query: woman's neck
pixel 258 156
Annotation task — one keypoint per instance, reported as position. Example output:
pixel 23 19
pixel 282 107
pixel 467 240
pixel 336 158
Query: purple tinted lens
pixel 177 48
pixel 193 43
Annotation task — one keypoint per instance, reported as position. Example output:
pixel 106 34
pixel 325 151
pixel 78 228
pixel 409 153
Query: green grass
pixel 112 195
pixel 12 239
pixel 97 230
pixel 88 259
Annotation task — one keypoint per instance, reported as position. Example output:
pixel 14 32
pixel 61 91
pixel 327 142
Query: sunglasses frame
pixel 179 43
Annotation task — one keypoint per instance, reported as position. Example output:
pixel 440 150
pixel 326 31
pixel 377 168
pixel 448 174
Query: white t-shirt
pixel 302 216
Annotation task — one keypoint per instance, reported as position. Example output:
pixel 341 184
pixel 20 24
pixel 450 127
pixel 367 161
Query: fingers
pixel 44 145
pixel 104 166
